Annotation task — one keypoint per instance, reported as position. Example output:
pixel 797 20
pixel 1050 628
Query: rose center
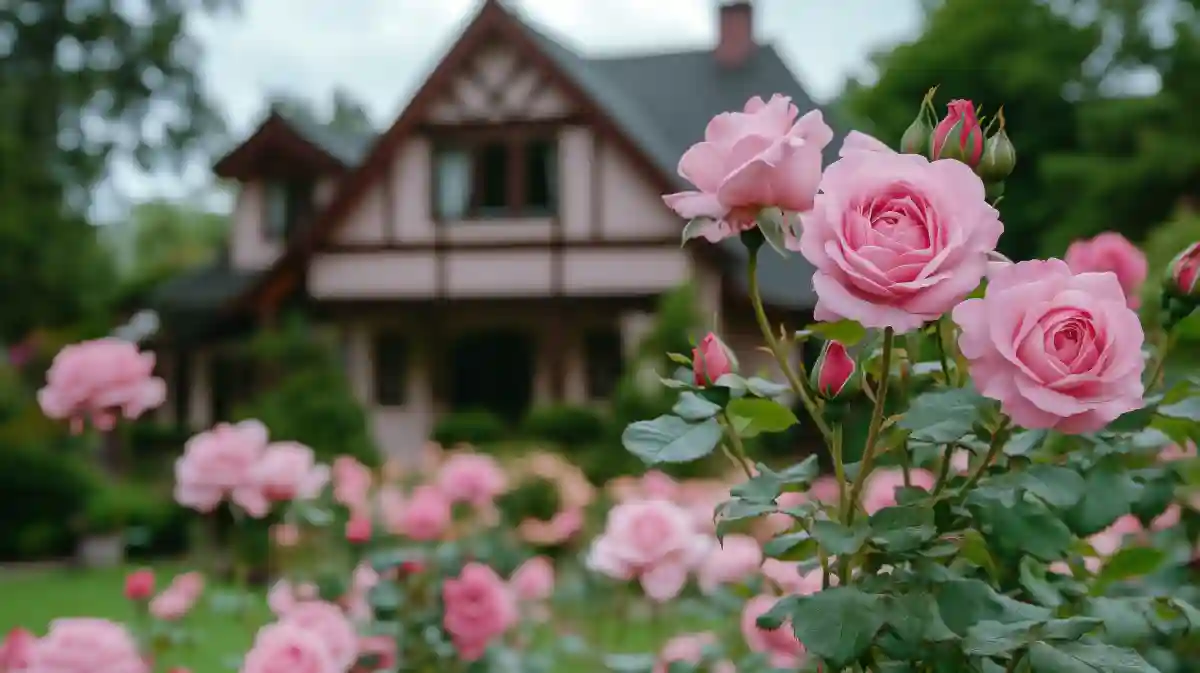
pixel 649 532
pixel 1071 338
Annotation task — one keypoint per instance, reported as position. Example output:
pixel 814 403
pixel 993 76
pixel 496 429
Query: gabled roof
pixel 655 105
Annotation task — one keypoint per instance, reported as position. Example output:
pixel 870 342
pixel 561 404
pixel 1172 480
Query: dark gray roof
pixel 347 147
pixel 664 102
pixel 202 289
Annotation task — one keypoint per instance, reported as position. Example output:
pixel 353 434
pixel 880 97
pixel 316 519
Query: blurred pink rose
pixel 351 482
pixel 960 461
pixel 471 478
pixel 1113 252
pixel 1177 452
pixel 375 653
pixel 733 559
pixel 284 596
pixel 479 607
pixel 326 623
pixel 179 597
pixel 356 602
pixel 390 502
pixel 824 489
pixel 897 240
pixel 218 464
pixel 1168 519
pixel 777 523
pixel 16 650
pixel 426 515
pixel 358 529
pixel 283 647
pixel 534 580
pixel 787 576
pixel 880 491
pixel 100 380
pixel 761 157
pixel 139 584
pixel 1058 350
pixel 1109 540
pixel 285 534
pixel 782 648
pixel 289 471
pixel 86 645
pixel 689 648
pixel 659 485
pixel 561 527
pixel 652 541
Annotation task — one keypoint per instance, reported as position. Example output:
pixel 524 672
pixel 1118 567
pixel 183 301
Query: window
pixel 496 177
pixel 289 207
pixel 605 360
pixel 391 369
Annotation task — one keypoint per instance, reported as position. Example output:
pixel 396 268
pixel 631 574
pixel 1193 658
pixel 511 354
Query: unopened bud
pixel 833 375
pixel 957 135
pixel 1183 274
pixel 711 360
pixel 999 158
pixel 916 138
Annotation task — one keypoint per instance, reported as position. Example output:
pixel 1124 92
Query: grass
pixel 33 598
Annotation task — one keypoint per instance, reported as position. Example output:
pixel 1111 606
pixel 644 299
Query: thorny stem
pixel 764 325
pixel 734 449
pixel 872 445
pixel 998 438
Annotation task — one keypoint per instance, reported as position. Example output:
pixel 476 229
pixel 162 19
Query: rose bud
pixel 358 530
pixel 711 360
pixel 916 138
pixel 999 158
pixel 834 371
pixel 958 135
pixel 139 585
pixel 1183 273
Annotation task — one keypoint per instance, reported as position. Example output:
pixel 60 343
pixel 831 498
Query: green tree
pixel 162 238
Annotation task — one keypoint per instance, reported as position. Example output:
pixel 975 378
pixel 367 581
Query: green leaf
pixel 1033 580
pixel 1086 658
pixel 385 599
pixel 837 624
pixel 765 415
pixel 837 539
pixel 791 547
pixel 902 529
pixel 942 416
pixel 695 228
pixel 764 388
pixel 1109 493
pixel 693 408
pixel 1187 409
pixel 1126 563
pixel 1024 528
pixel 1058 486
pixel 974 548
pixel 990 638
pixel 845 332
pixel 1071 628
pixel 779 613
pixel 916 621
pixel 771 222
pixel 1024 443
pixel 768 484
pixel 964 603
pixel 630 663
pixel 1124 619
pixel 670 439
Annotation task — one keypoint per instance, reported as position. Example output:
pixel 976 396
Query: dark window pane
pixel 603 351
pixel 541 173
pixel 391 369
pixel 492 178
pixel 299 206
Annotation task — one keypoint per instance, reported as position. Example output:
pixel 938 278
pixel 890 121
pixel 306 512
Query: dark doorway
pixel 492 371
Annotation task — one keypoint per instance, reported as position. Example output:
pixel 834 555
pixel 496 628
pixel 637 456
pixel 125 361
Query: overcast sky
pixel 380 50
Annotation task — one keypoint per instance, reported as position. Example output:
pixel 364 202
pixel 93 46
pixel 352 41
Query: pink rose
pixel 880 491
pixel 788 578
pixel 857 141
pixel 1176 452
pixel 139 584
pixel 325 623
pixel 1111 251
pixel 561 527
pixel 390 503
pixel 283 596
pixel 217 464
pixel 355 602
pixel 1168 519
pixel 534 580
pixel 86 645
pixel 759 158
pixel 896 240
pixel 653 541
pixel 351 482
pixel 1058 350
pixel 100 379
pixel 958 134
pixel 659 485
pixel 479 608
pixel 358 529
pixel 375 653
pixel 711 360
pixel 178 598
pixel 732 560
pixel 471 478
pixel 781 646
pixel 777 523
pixel 288 471
pixel 285 534
pixel 426 515
pixel 283 647
pixel 16 650
pixel 689 648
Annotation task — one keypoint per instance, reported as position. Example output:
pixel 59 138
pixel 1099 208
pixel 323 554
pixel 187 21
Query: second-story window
pixel 495 177
pixel 289 207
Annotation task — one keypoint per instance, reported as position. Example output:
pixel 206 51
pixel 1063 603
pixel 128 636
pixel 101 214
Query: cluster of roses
pixel 898 240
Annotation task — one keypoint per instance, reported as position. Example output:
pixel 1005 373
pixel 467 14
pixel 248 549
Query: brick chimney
pixel 735 33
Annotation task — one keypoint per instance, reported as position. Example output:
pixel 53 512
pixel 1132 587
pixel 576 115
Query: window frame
pixel 517 142
pixel 379 376
pixel 298 207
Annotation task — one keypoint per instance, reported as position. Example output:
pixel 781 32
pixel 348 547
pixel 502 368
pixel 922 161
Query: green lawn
pixel 33 598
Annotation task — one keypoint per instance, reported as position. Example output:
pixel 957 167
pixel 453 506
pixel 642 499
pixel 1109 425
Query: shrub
pixel 47 493
pixel 565 425
pixel 469 427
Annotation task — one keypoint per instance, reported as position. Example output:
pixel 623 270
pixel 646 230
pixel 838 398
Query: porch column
pixel 200 398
